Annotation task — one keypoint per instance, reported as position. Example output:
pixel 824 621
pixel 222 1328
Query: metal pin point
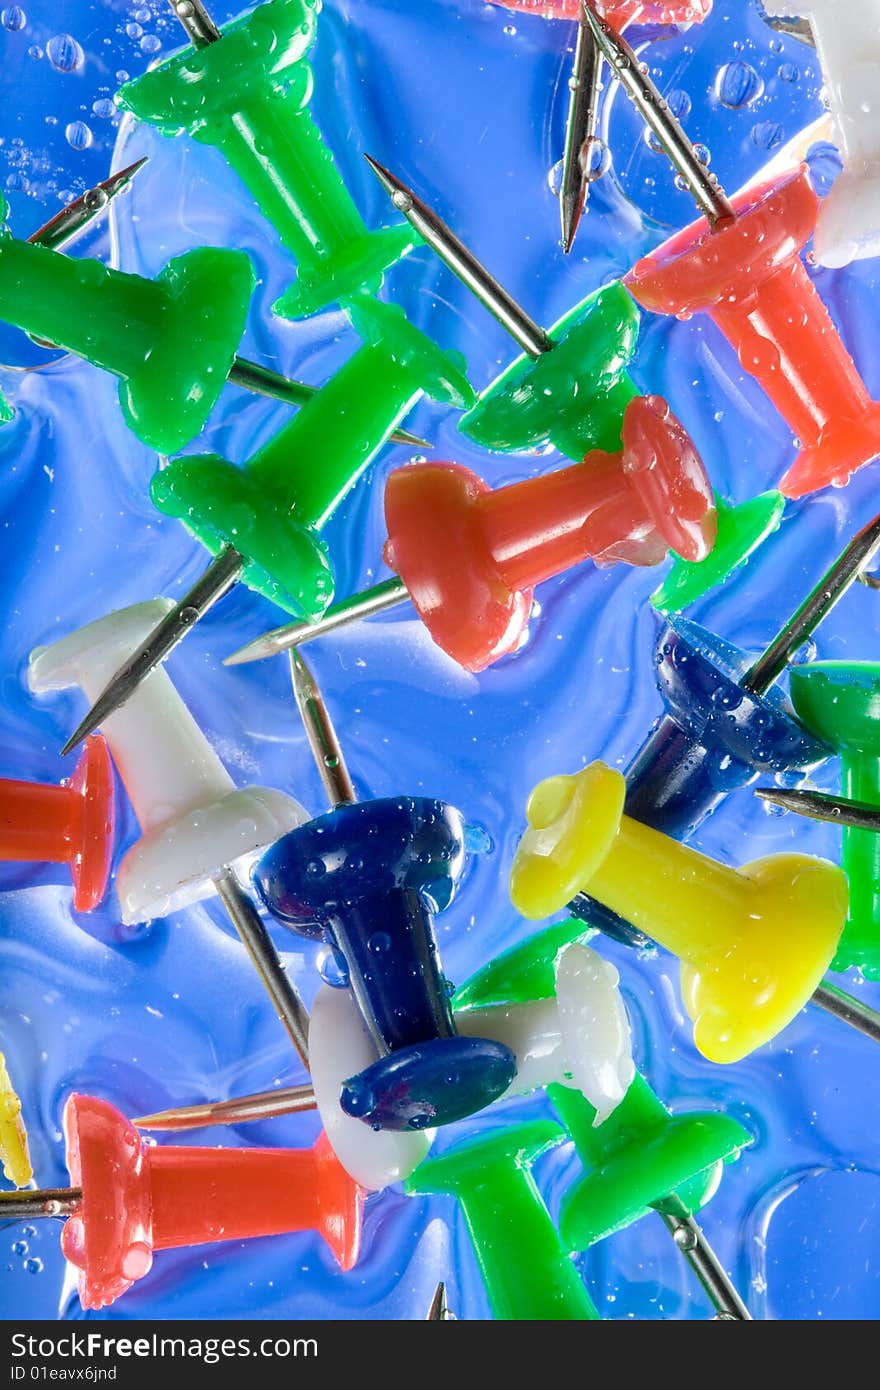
pixel 50 1201
pixel 689 1239
pixel 261 1105
pixel 824 806
pixel 654 110
pixel 366 604
pixel 325 746
pixel 439 1308
pixel 463 263
pixel 815 607
pixel 580 133
pixel 73 219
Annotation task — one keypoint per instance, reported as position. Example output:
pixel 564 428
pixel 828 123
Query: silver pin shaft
pixel 463 263
pixel 654 110
pixel 262 1105
pixel 704 1262
pixel 367 604
pixel 259 946
pixel 439 1307
pixel 824 806
pixel 816 606
pixel 849 1010
pixel 52 1201
pixel 217 580
pixel 580 133
pixel 200 27
pixel 325 746
pixel 73 219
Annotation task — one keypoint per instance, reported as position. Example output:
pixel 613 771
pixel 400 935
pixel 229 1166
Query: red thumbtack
pixel 748 276
pixel 470 557
pixel 69 824
pixel 136 1198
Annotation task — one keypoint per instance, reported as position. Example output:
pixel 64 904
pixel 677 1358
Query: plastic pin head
pixel 14 1152
pixel 754 943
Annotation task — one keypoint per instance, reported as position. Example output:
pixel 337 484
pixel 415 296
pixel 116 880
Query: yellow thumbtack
pixel 14 1155
pixel 753 942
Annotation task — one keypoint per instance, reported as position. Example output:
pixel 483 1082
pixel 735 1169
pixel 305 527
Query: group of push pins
pixel 391 1051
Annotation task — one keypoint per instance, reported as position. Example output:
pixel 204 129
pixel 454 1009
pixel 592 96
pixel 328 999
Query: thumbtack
pixel 571 387
pixel 469 557
pixel 245 90
pixel 641 1159
pixel 369 877
pixel 749 278
pixel 197 826
pixel 170 340
pixel 848 224
pixel 69 824
pixel 754 943
pixel 838 701
pixel 262 1105
pixel 129 1198
pixel 15 1158
pixel 528 1274
pixel 723 722
pixel 263 521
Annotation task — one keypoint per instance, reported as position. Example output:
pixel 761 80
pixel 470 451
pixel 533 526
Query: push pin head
pixel 136 1199
pixel 370 876
pixel 247 93
pixel 846 37
pixel 72 824
pixel 754 943
pixel 470 557
pixel 15 1158
pixel 172 341
pixel 573 395
pixel 749 278
pixel 840 702
pixel 195 822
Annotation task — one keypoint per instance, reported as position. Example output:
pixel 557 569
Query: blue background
pixel 466 101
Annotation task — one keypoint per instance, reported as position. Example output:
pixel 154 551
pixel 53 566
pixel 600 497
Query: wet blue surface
pixel 467 101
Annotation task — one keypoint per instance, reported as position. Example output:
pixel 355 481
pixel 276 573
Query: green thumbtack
pixel 840 701
pixel 570 387
pixel 245 90
pixel 172 340
pixel 529 1277
pixel 641 1157
pixel 741 530
pixel 262 522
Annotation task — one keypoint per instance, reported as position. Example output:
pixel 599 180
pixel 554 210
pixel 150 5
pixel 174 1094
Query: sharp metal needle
pixel 366 604
pixel 325 746
pixel 580 133
pixel 262 1105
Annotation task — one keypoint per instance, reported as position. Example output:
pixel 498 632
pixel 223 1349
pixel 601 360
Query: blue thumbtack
pixel 369 877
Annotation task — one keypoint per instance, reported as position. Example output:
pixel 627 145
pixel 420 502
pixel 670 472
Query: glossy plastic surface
pixel 370 877
pixel 72 824
pixel 273 509
pixel 138 1198
pixel 15 1159
pixel 840 701
pixel 750 279
pixel 248 95
pixel 195 822
pixel 754 943
pixel 171 340
pixel 527 1272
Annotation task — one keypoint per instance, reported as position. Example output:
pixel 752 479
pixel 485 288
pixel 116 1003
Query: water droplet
pixel 150 43
pixel 20 1247
pixel 35 51
pixel 64 53
pixel 738 85
pixel 34 1266
pixel 17 182
pixel 104 108
pixel 679 103
pixel 78 135
pixel 767 135
pixel 133 31
pixel 790 72
pixel 13 17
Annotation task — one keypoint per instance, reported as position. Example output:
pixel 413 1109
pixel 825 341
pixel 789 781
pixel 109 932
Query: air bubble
pixel 64 53
pixel 78 135
pixel 13 18
pixel 150 43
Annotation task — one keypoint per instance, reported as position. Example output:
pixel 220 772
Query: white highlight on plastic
pixel 581 1038
pixel 847 38
pixel 196 823
pixel 340 1047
